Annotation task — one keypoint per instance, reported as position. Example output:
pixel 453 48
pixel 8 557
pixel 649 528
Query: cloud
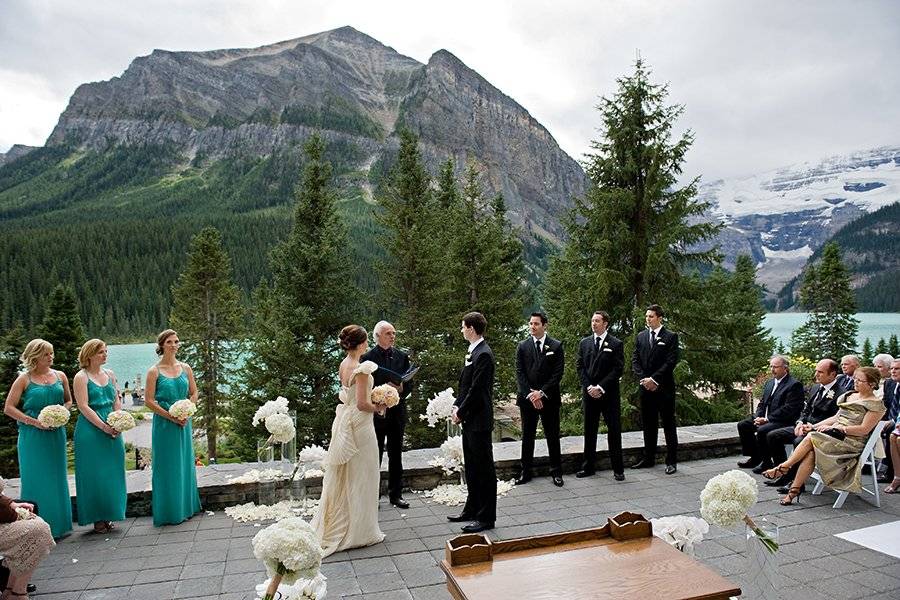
pixel 764 84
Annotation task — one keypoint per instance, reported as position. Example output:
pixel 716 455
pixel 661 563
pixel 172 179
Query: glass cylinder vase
pixel 265 453
pixel 761 580
pixel 289 449
pixel 453 430
pixel 266 492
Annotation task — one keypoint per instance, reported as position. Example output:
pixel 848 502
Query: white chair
pixel 866 458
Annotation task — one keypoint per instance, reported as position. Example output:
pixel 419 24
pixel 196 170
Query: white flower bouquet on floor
pixel 451 457
pixel 385 395
pixel 439 408
pixel 681 531
pixel 277 406
pixel 54 416
pixel 302 589
pixel 726 499
pixel 183 409
pixel 290 550
pixel 120 420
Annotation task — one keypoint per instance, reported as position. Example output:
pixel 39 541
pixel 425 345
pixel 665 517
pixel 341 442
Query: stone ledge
pixel 694 443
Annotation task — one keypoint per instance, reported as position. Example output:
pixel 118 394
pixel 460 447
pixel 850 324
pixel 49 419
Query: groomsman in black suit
pixel 821 404
pixel 539 369
pixel 780 406
pixel 653 363
pixel 474 408
pixel 601 360
pixel 392 364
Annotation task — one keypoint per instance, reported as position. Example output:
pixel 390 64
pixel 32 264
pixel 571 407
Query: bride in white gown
pixel 348 510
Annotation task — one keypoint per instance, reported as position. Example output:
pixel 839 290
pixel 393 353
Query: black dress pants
pixel 389 431
pixel 656 405
pixel 754 441
pixel 481 477
pixel 611 411
pixel 549 416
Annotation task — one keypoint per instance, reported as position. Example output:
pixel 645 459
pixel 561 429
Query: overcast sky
pixel 764 84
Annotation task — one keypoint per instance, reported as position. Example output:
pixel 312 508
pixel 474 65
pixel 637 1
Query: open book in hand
pixel 403 377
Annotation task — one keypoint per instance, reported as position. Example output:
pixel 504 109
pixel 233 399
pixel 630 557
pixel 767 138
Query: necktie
pixel 537 346
pixel 596 343
pixel 652 338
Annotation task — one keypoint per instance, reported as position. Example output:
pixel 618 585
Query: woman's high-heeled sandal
pixel 894 487
pixel 793 494
pixel 776 472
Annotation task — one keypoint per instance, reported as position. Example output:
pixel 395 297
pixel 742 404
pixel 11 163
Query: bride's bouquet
pixel 120 420
pixel 183 409
pixel 54 416
pixel 385 395
pixel 439 408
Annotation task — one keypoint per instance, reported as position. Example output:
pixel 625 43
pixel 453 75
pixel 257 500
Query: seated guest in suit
pixel 539 369
pixel 849 364
pixel 821 404
pixel 891 399
pixel 781 403
pixel 23 544
pixel 836 444
pixel 601 360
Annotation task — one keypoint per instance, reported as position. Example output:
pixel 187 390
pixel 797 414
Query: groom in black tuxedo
pixel 392 364
pixel 653 364
pixel 474 408
pixel 539 369
pixel 601 360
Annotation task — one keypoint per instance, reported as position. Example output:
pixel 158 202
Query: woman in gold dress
pixel 835 444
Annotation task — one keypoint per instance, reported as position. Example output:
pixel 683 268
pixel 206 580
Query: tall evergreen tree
pixel 208 315
pixel 62 328
pixel 881 347
pixel 636 233
pixel 293 349
pixel 11 345
pixel 831 327
pixel 893 345
pixel 867 354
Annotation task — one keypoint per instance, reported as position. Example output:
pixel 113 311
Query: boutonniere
pixel 829 394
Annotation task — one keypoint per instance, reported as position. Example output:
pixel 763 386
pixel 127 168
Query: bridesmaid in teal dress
pixel 42 451
pixel 99 448
pixel 175 496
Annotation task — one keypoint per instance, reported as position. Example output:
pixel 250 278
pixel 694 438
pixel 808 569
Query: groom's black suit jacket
pixel 474 405
pixel 603 368
pixel 542 372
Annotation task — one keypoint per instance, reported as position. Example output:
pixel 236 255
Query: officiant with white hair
pixel 392 363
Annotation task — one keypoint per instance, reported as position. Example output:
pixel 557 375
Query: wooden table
pixel 580 565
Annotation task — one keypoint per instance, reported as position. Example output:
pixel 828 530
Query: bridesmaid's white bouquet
pixel 183 409
pixel 53 416
pixel 726 499
pixel 120 420
pixel 281 426
pixel 439 408
pixel 385 395
pixel 290 550
pixel 277 406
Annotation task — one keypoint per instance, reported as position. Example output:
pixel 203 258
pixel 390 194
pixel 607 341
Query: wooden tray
pixel 621 560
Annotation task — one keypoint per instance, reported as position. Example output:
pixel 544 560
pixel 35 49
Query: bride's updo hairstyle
pixel 352 336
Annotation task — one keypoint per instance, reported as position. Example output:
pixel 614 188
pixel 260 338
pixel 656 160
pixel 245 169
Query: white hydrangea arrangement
pixel 313 456
pixel 302 589
pixel 385 395
pixel 54 416
pixel 726 499
pixel 183 409
pixel 290 550
pixel 281 426
pixel 439 408
pixel 451 457
pixel 681 531
pixel 277 406
pixel 120 420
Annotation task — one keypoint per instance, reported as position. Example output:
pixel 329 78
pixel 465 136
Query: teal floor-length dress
pixel 42 459
pixel 99 462
pixel 175 496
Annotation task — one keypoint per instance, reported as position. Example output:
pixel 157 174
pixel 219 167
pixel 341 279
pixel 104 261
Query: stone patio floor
pixel 210 556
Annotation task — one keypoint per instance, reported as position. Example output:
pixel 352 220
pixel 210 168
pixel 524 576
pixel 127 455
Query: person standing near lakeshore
pixel 175 495
pixel 42 451
pixel 99 448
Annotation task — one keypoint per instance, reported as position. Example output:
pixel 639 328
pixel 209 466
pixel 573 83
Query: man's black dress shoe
pixel 476 526
pixel 459 518
pixel 619 476
pixel 671 469
pixel 557 481
pixel 763 467
pixel 785 489
pixel 30 588
pixel 583 473
pixel 642 464
pixel 399 502
pixel 523 479
pixel 749 463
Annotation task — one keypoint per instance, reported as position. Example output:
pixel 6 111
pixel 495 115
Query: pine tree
pixel 881 347
pixel 11 345
pixel 208 315
pixel 893 346
pixel 62 328
pixel 636 233
pixel 831 327
pixel 867 354
pixel 293 349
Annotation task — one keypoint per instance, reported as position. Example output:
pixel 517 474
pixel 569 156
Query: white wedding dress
pixel 348 510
